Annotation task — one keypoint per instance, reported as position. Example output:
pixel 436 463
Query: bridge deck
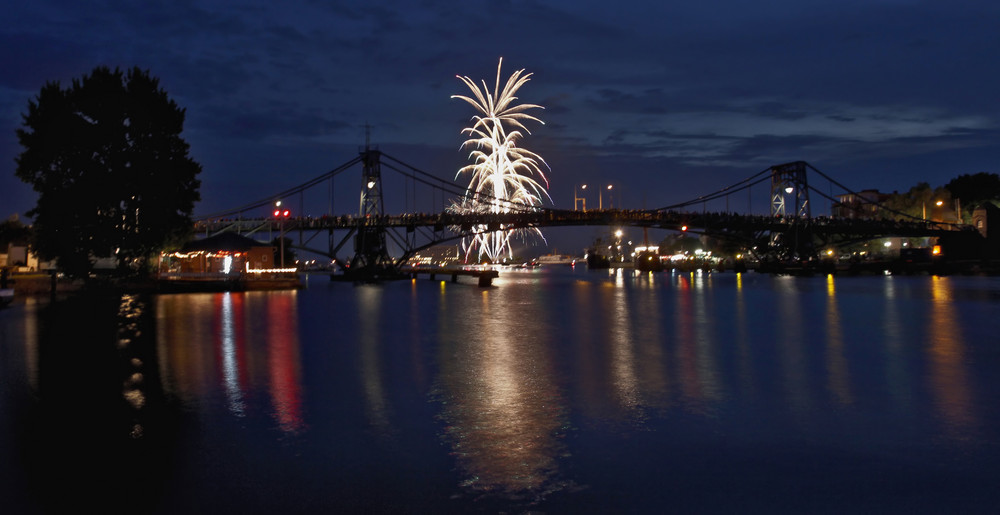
pixel 707 222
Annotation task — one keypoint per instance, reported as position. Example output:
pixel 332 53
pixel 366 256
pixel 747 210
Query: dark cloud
pixel 666 98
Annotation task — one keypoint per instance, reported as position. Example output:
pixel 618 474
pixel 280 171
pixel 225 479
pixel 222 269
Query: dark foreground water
pixel 555 391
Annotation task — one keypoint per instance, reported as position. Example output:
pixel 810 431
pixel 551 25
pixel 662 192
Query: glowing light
pixel 502 173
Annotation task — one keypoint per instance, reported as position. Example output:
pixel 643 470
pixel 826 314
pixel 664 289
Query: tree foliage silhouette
pixel 975 190
pixel 112 172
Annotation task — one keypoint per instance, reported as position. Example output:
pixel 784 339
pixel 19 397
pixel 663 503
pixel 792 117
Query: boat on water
pixel 596 260
pixel 556 259
pixel 647 257
pixel 648 261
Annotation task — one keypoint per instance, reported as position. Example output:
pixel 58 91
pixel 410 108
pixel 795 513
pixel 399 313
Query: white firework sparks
pixel 502 174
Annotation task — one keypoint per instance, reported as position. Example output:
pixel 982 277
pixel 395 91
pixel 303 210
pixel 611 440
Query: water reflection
pixel 791 337
pixel 839 381
pixel 31 341
pixel 369 316
pixel 237 344
pixel 503 411
pixel 230 342
pixel 131 310
pixel 948 380
pixel 615 382
pixel 284 364
pixel 747 383
pixel 621 344
pixel 898 374
pixel 694 344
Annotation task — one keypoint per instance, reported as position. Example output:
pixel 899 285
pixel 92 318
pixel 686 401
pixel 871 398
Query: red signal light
pixel 276 213
pixel 684 227
pixel 286 213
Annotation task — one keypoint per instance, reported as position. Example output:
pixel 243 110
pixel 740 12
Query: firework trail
pixel 502 175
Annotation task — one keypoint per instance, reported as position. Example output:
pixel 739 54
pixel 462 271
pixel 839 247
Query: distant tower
pixel 371 257
pixel 790 190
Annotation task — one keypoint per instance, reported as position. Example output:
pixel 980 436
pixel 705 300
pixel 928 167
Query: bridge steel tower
pixel 790 190
pixel 790 198
pixel 371 256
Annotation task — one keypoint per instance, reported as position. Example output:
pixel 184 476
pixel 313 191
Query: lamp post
pixel 281 215
pixel 579 200
pixel 600 198
pixel 923 205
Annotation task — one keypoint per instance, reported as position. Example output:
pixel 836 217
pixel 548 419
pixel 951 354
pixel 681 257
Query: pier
pixel 484 276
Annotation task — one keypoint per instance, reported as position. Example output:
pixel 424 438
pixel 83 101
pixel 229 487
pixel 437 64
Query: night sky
pixel 665 100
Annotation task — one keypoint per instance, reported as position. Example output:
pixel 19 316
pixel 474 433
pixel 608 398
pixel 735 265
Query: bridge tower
pixel 790 190
pixel 371 257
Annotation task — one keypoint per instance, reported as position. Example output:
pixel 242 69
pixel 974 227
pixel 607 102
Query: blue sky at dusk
pixel 666 100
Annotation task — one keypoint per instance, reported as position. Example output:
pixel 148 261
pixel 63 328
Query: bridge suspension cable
pixel 863 199
pixel 452 188
pixel 297 189
pixel 416 174
pixel 728 190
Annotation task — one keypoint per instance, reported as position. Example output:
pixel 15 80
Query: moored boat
pixel 648 261
pixel 596 261
pixel 556 259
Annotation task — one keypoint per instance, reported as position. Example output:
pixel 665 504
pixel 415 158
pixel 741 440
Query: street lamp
pixel 281 215
pixel 579 200
pixel 600 198
pixel 938 203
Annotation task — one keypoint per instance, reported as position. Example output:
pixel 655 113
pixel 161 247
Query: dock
pixel 484 276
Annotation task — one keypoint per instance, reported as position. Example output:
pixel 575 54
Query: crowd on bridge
pixel 713 221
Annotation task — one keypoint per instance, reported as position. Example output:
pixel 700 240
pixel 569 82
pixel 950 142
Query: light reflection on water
pixel 239 344
pixel 502 411
pixel 539 387
pixel 949 383
pixel 839 374
pixel 370 319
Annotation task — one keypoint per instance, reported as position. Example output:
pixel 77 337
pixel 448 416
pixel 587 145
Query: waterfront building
pixel 863 204
pixel 225 261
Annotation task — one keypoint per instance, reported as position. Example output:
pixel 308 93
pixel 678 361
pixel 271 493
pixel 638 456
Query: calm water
pixel 555 391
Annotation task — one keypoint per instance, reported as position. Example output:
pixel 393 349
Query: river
pixel 557 390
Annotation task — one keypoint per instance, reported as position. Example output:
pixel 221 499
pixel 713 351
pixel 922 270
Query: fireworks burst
pixel 502 174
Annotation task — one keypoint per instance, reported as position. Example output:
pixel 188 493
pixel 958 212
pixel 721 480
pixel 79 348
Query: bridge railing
pixel 671 220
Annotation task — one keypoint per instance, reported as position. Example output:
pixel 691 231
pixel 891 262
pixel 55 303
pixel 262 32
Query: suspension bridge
pixel 787 232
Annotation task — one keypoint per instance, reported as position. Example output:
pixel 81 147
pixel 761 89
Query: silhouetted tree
pixel 12 231
pixel 973 190
pixel 917 203
pixel 111 170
